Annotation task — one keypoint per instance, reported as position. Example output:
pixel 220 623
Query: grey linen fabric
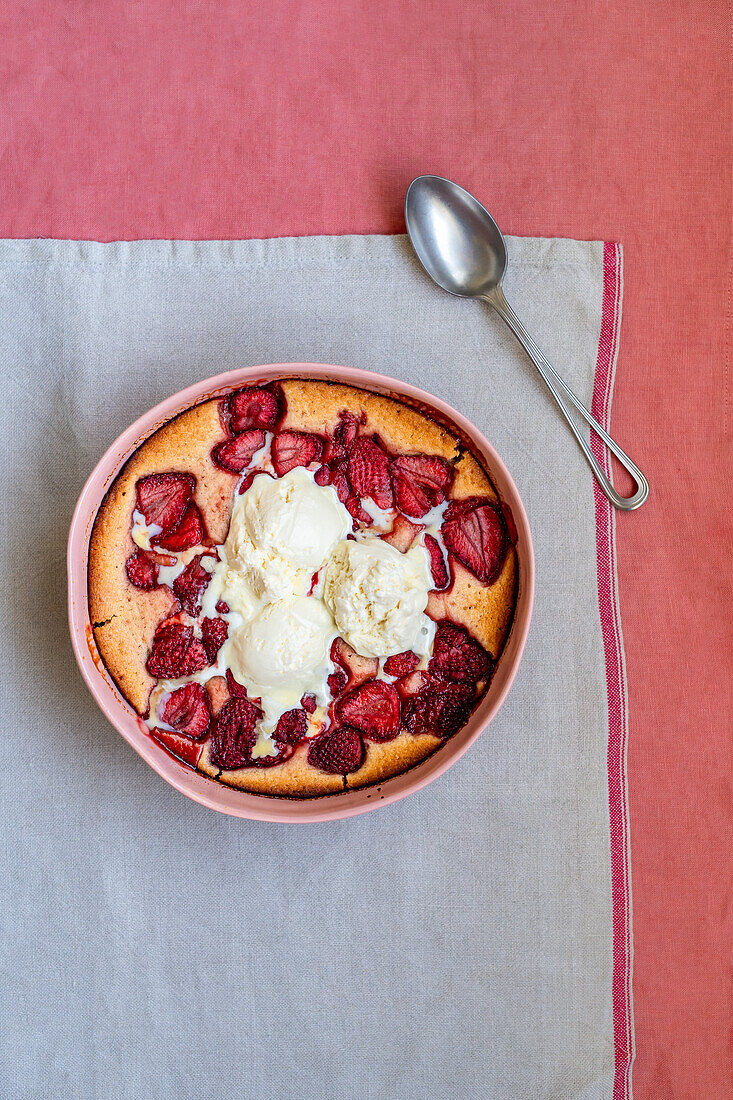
pixel 455 944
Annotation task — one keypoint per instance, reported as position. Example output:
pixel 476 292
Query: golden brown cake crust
pixel 124 618
pixel 295 778
pixel 315 406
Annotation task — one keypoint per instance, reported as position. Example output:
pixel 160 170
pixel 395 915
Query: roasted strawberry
pixel 254 407
pixel 309 703
pixel 189 532
pixel 354 508
pixel 292 727
pixel 236 690
pixel 213 634
pixel 187 710
pixel 337 681
pixel 413 683
pixel 246 482
pixel 141 571
pixel 337 751
pixel 436 605
pixel 222 607
pixel 162 498
pixel 474 531
pixel 234 734
pixel 440 709
pixel 420 482
pixel 401 663
pixel 322 476
pixel 369 472
pixel 189 586
pixel 179 745
pixel 347 429
pixel 341 485
pixel 458 656
pixel 403 533
pixel 333 452
pixel 160 559
pixel 175 652
pixel 438 568
pixel 358 668
pixel 372 708
pixel 291 449
pixel 236 454
pixel 340 651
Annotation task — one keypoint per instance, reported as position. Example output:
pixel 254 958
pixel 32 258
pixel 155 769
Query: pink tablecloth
pixel 589 120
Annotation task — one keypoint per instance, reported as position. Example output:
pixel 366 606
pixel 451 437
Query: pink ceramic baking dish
pixel 122 716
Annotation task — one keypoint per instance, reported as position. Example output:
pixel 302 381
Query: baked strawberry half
pixel 337 681
pixel 347 429
pixel 458 656
pixel 438 568
pixel 337 752
pixel 189 586
pixel 188 711
pixel 234 736
pixel 247 480
pixel 160 559
pixel 413 683
pixel 292 727
pixel 333 452
pixel 334 475
pixel 354 508
pixel 341 485
pixel 236 454
pixel 372 708
pixel 420 482
pixel 254 407
pixel 141 571
pixel 236 690
pixel 475 533
pixel 368 472
pixel 309 703
pixel 179 745
pixel 291 449
pixel 175 653
pixel 163 498
pixel 214 633
pixel 189 532
pixel 358 668
pixel 401 663
pixel 403 533
pixel 440 709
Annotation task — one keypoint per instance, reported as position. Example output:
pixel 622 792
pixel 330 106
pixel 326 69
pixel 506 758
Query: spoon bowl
pixel 462 249
pixel 457 241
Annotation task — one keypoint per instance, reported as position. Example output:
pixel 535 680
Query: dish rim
pixel 118 711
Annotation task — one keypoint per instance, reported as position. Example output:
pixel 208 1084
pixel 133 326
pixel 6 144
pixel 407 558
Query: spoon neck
pixel 495 298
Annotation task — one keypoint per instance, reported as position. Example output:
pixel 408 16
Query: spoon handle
pixel 562 392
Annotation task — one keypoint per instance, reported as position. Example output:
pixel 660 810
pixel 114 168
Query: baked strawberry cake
pixel 302 587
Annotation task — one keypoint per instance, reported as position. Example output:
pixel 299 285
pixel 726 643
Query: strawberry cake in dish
pixel 302 587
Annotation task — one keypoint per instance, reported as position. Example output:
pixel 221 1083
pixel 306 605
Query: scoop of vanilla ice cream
pixel 288 639
pixel 378 597
pixel 282 531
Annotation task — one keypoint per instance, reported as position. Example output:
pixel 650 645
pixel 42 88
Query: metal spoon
pixel 462 249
